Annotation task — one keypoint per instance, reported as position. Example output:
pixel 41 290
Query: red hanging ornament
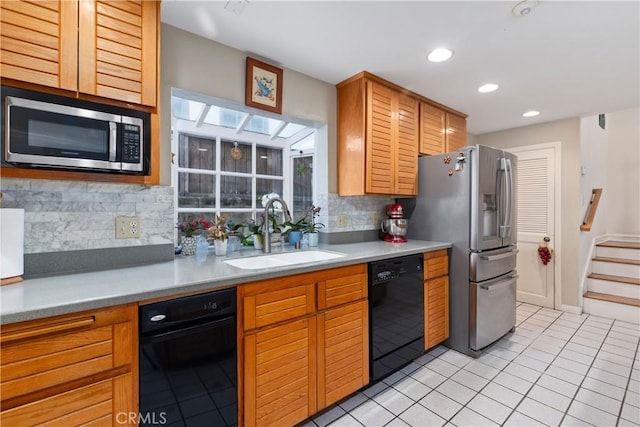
pixel 544 253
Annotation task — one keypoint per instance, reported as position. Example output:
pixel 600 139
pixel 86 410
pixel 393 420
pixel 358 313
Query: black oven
pixel 188 363
pixel 396 313
pixel 45 130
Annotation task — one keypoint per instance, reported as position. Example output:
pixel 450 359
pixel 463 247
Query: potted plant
pixel 295 229
pixel 218 231
pixel 314 226
pixel 188 226
pixel 256 233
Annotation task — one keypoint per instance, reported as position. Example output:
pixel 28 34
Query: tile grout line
pixel 626 390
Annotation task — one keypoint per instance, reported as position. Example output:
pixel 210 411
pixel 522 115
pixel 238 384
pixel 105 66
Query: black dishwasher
pixel 396 313
pixel 188 363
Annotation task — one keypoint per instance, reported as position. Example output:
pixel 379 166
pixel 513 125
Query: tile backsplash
pixel 73 215
pixel 358 212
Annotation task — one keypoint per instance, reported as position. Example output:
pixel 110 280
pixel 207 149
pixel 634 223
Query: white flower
pixel 266 197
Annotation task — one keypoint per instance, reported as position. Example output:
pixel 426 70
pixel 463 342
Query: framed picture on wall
pixel 263 86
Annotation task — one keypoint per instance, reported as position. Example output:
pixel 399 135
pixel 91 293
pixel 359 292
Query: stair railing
pixel 591 209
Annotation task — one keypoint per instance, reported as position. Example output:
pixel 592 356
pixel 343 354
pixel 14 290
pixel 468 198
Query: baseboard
pixel 619 238
pixel 573 309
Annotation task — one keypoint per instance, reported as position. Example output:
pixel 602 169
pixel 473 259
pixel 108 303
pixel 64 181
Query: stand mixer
pixel 395 226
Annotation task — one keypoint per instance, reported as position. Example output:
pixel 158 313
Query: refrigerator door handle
pixel 510 198
pixel 498 286
pixel 497 257
pixel 506 197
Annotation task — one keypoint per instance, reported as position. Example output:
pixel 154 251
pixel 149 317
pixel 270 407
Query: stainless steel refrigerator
pixel 468 198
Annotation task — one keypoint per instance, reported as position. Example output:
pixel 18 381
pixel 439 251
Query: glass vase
pixel 220 247
pixel 189 245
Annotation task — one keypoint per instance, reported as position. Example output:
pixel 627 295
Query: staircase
pixel 613 287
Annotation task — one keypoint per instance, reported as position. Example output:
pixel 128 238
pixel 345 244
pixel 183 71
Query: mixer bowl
pixel 396 229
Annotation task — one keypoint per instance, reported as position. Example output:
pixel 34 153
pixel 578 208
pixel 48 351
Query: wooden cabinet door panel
pixel 436 311
pixel 343 351
pixel 71 408
pixel 432 129
pixel 344 289
pixel 436 264
pixel 456 132
pixel 379 139
pixel 38 42
pixel 118 56
pixel 407 146
pixel 287 396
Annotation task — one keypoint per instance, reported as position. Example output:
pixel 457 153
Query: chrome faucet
pixel 266 241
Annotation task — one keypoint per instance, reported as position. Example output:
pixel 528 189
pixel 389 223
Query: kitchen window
pixel 225 158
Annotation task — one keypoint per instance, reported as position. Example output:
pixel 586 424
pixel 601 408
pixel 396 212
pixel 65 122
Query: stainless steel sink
pixel 283 259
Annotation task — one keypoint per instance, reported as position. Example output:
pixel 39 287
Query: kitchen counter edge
pixel 65 294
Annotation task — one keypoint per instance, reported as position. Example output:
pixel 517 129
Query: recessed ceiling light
pixel 531 113
pixel 440 54
pixel 524 8
pixel 489 87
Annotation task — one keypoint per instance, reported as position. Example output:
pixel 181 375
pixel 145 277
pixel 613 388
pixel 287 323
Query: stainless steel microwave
pixel 44 130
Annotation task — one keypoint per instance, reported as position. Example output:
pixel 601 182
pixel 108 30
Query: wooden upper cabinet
pixel 39 42
pixel 441 131
pixel 456 132
pixel 406 180
pixel 118 50
pixel 377 138
pixel 432 129
pixel 103 48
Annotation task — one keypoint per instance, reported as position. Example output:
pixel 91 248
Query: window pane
pixel 196 190
pixel 235 160
pixel 266 186
pixel 290 129
pixel 262 125
pixel 235 192
pixel 185 109
pixel 269 161
pixel 306 143
pixel 196 153
pixel 237 218
pixel 224 117
pixel 302 185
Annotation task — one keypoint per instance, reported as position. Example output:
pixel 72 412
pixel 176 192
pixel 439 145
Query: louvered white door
pixel 536 220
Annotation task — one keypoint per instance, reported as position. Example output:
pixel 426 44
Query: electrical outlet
pixel 376 219
pixel 342 220
pixel 127 227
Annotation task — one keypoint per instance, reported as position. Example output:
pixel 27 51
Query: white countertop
pixel 50 296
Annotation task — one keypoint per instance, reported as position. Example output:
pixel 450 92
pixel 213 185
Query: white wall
pixel 623 172
pixel 594 143
pixel 203 66
pixel 568 133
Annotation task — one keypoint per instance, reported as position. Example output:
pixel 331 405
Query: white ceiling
pixel 565 59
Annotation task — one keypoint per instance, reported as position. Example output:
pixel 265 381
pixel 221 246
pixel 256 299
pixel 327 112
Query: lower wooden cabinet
pixel 299 359
pixel 436 311
pixel 343 352
pixel 70 370
pixel 279 376
pixel 436 298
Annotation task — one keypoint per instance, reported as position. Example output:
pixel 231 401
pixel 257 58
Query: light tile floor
pixel 556 369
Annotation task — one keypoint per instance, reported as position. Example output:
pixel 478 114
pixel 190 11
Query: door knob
pixel 547 239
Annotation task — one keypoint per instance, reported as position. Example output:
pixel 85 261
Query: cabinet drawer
pixel 38 355
pixel 273 306
pixel 90 404
pixel 341 290
pixel 436 264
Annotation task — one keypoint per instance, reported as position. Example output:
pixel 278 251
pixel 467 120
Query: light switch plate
pixel 127 227
pixel 342 220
